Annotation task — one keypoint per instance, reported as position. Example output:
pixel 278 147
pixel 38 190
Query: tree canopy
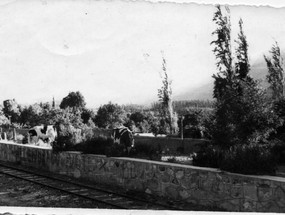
pixel 73 100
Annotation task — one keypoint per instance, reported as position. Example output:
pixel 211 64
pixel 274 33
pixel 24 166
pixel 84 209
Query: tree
pixel 73 100
pixel 3 119
pixel 32 115
pixel 109 116
pixel 222 50
pixel 53 102
pixel 87 115
pixel 275 75
pixel 164 95
pixel 11 110
pixel 275 78
pixel 241 113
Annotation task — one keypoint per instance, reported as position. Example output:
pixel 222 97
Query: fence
pixel 13 134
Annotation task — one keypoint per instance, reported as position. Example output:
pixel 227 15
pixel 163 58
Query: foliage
pixel 242 158
pixel 148 151
pixel 32 115
pixel 275 75
pixel 208 156
pixel 194 123
pixel 249 159
pixel 131 108
pixel 87 115
pixel 96 145
pixel 73 100
pixel 68 137
pixel 109 116
pixel 164 95
pixel 11 110
pixel 3 119
pixel 242 114
pixel 182 107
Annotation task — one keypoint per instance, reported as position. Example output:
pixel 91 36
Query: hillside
pixel 205 92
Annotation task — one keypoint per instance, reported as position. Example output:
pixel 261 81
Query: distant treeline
pixel 179 106
pixel 182 105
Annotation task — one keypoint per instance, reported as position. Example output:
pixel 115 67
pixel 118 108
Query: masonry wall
pixel 204 186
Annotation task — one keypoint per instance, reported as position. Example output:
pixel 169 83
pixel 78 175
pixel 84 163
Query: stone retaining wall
pixel 204 186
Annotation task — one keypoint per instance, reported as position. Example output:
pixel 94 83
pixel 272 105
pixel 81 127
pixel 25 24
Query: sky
pixel 112 50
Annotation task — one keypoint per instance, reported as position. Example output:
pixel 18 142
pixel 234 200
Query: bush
pixel 208 156
pixel 245 159
pixel 148 151
pixel 95 145
pixel 278 150
pixel 249 159
pixel 66 139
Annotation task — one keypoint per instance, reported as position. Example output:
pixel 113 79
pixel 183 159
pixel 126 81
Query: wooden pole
pixel 15 134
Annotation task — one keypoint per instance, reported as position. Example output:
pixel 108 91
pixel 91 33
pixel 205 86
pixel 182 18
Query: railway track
pixel 110 199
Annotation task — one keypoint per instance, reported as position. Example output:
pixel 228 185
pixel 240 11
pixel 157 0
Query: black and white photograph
pixel 142 106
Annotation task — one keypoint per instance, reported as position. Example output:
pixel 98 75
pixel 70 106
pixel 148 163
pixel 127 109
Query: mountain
pixel 205 91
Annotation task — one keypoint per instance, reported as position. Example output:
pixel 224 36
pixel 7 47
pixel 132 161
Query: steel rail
pixel 107 197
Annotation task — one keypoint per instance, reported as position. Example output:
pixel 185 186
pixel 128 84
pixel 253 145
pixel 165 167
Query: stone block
pixel 228 206
pixel 152 184
pixel 250 192
pixel 179 174
pixel 161 168
pixel 264 193
pixel 215 196
pixel 227 189
pixel 199 194
pixel 206 202
pixel 172 192
pixel 267 206
pixel 249 205
pixel 170 172
pixel 237 191
pixel 165 178
pixel 134 185
pixel 184 194
pixel 279 196
pixel 184 183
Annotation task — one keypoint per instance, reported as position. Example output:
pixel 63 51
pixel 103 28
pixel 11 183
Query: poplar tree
pixel 224 79
pixel 223 53
pixel 240 114
pixel 275 76
pixel 165 97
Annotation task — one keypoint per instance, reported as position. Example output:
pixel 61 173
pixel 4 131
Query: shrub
pixel 148 151
pixel 95 145
pixel 208 156
pixel 249 159
pixel 245 159
pixel 278 150
pixel 66 139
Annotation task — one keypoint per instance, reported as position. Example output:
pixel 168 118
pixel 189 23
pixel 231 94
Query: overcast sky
pixel 111 50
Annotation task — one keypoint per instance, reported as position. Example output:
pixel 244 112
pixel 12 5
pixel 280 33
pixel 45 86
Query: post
pixel 29 139
pixel 182 118
pixel 5 136
pixel 15 134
